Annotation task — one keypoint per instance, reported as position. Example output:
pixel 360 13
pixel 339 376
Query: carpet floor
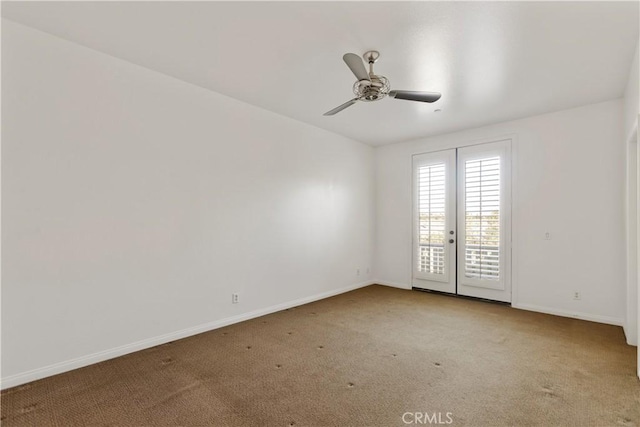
pixel 376 356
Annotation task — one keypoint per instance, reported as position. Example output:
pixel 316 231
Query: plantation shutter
pixel 482 219
pixel 431 219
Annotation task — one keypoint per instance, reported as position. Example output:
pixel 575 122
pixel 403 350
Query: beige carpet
pixel 365 358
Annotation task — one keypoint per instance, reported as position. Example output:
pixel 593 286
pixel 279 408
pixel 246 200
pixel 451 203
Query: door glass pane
pixel 482 219
pixel 431 218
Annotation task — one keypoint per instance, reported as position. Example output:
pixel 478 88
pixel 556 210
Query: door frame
pixel 512 202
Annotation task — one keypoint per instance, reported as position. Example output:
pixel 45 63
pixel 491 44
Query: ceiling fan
pixel 371 87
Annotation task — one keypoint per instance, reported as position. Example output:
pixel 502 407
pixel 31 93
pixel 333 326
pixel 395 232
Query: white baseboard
pixel 392 284
pixel 79 362
pixel 576 315
pixel 529 307
pixel 632 339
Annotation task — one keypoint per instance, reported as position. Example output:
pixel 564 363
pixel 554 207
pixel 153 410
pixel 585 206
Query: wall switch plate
pixel 235 298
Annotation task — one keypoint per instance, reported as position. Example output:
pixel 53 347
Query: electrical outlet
pixel 235 298
pixel 576 295
pixel 368 271
pixel 358 272
pixel 547 235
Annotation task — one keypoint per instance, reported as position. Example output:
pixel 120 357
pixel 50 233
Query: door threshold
pixel 448 294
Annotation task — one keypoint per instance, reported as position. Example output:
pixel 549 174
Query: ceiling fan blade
pixel 341 107
pixel 411 95
pixel 354 62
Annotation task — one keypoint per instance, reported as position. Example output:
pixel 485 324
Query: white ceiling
pixel 492 61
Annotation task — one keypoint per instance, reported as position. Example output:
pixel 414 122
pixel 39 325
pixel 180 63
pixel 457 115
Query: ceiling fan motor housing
pixel 372 90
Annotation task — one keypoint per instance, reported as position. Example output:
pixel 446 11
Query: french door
pixel 462 221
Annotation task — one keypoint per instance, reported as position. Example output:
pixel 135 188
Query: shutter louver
pixel 482 219
pixel 431 222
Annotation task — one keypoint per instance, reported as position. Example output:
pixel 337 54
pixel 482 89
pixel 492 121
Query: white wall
pixel 134 204
pixel 568 179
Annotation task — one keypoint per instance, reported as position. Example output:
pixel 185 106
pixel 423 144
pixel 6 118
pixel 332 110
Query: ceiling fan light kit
pixel 371 87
